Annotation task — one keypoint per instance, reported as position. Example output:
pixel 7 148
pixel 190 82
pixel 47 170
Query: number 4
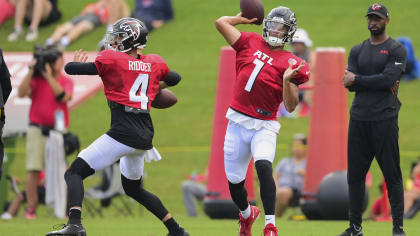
pixel 143 82
pixel 258 66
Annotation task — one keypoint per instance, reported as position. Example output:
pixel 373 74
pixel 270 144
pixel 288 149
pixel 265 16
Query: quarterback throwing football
pixel 266 75
pixel 131 82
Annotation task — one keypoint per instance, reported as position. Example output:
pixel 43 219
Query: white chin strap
pixel 274 41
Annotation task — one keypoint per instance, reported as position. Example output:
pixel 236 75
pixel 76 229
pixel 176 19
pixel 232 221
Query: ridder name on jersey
pixel 139 66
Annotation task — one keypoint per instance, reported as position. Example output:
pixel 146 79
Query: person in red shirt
pixel 49 91
pixel 266 75
pixel 131 81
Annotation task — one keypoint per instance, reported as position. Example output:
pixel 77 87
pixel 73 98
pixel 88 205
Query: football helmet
pixel 279 26
pixel 127 34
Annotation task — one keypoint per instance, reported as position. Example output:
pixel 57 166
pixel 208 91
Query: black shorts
pixel 90 17
pixel 54 15
pixel 41 194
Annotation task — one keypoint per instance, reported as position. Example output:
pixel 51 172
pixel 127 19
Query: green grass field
pixel 190 45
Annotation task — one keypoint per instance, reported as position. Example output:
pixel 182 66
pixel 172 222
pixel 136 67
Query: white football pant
pixel 105 151
pixel 240 144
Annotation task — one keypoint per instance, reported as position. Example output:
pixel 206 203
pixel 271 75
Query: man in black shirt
pixel 374 69
pixel 5 89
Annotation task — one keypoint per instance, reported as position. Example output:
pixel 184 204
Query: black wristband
pixel 60 96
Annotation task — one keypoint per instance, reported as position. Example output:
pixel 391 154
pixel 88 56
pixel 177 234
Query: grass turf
pixel 190 44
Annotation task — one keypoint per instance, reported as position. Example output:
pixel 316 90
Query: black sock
pixel 172 225
pixel 239 195
pixel 75 216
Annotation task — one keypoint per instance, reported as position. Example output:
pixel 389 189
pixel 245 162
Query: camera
pixel 44 55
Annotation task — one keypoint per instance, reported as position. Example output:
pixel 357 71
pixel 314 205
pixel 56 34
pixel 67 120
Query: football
pixel 164 99
pixel 252 9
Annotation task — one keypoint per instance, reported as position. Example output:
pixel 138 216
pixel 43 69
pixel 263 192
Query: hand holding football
pixel 164 99
pixel 252 9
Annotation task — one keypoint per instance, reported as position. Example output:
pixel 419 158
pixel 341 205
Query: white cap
pixel 301 36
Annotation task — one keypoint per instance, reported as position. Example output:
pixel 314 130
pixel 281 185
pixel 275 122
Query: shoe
pixel 270 230
pixel 245 225
pixel 30 215
pixel 6 216
pixel 181 233
pixel 32 35
pixel 69 230
pixel 14 35
pixel 398 231
pixel 352 231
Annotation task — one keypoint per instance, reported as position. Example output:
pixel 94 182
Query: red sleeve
pixel 162 66
pixel 242 42
pixel 104 60
pixel 303 74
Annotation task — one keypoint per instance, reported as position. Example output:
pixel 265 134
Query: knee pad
pixel 131 187
pixel 79 167
pixel 234 178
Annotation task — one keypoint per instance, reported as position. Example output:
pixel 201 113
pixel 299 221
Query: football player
pixel 131 81
pixel 266 75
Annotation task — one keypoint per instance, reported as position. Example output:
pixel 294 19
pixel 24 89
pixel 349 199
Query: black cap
pixel 378 9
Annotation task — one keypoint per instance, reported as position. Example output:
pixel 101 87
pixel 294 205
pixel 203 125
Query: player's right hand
pixel 80 56
pixel 243 20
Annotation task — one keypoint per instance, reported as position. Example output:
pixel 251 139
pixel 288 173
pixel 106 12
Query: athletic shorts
pixel 35 149
pixel 54 15
pixel 90 17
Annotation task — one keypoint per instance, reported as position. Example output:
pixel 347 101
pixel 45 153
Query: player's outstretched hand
pixel 290 72
pixel 80 56
pixel 243 20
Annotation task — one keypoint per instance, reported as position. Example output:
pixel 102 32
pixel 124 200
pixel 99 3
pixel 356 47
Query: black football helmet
pixel 127 34
pixel 280 19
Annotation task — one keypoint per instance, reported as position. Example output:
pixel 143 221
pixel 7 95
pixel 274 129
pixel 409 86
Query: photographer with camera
pixel 49 90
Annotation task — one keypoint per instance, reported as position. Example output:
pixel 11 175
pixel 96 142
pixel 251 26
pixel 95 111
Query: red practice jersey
pixel 258 89
pixel 130 81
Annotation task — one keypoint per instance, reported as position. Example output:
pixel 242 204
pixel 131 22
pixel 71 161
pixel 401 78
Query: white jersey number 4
pixel 142 82
pixel 258 66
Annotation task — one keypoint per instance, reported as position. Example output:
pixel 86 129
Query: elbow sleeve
pixel 172 78
pixel 80 68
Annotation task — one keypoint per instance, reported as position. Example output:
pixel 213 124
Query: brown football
pixel 164 99
pixel 252 9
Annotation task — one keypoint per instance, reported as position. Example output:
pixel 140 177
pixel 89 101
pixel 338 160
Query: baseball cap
pixel 378 9
pixel 301 36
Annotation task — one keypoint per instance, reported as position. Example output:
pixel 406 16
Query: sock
pixel 246 213
pixel 65 41
pixel 75 216
pixel 270 219
pixel 18 29
pixel 172 225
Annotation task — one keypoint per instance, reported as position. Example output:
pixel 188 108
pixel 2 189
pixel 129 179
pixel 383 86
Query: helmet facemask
pixel 277 31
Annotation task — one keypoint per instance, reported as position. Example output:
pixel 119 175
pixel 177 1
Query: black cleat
pixel 398 231
pixel 352 231
pixel 69 230
pixel 182 232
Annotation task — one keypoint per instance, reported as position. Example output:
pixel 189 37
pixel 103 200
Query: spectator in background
pixel 301 44
pixel 5 89
pixel 49 91
pixel 7 10
pixel 34 13
pixel 154 13
pixel 92 16
pixel 412 69
pixel 412 194
pixel 194 189
pixel 21 197
pixel 289 175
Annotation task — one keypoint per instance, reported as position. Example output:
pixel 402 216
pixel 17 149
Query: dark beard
pixel 377 32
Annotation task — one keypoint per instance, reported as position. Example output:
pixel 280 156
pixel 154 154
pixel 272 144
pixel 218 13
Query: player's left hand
pixel 290 72
pixel 349 78
pixel 394 89
pixel 80 56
